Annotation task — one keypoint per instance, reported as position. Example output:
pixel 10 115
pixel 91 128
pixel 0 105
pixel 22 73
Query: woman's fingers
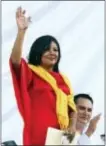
pixel 29 19
pixel 20 12
pixel 73 115
pixel 17 12
pixel 23 12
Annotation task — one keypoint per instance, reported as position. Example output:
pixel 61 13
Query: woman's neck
pixel 47 68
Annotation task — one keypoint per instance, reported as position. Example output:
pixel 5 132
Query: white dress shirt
pixel 84 140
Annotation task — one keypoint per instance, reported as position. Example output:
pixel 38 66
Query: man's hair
pixel 84 96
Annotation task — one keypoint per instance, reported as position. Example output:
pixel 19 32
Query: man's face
pixel 84 110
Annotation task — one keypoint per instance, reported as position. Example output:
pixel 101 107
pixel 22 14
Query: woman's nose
pixel 51 51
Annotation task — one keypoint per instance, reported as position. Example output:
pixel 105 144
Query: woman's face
pixel 50 56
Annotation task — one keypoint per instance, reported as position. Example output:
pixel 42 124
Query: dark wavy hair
pixel 39 46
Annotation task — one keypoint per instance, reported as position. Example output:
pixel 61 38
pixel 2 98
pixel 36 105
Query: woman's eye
pixel 55 49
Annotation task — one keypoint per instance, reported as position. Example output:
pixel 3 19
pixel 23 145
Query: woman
pixel 43 95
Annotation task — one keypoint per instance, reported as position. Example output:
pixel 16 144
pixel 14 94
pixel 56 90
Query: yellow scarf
pixel 62 100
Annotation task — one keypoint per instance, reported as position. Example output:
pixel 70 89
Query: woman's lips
pixel 51 57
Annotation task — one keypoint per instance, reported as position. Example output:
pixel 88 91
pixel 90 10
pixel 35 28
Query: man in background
pixel 84 124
